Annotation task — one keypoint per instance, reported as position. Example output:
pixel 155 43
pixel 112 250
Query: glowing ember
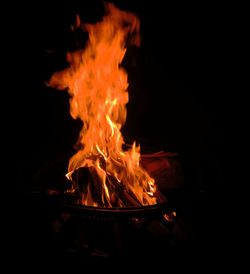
pixel 98 86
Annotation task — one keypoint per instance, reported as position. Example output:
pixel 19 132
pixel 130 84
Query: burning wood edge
pixel 86 182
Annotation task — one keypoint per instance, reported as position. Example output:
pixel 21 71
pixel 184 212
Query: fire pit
pixel 58 219
pixel 110 188
pixel 105 232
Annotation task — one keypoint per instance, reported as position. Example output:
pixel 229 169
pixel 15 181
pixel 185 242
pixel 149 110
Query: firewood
pixel 86 179
pixel 81 178
pixel 129 200
pixel 120 193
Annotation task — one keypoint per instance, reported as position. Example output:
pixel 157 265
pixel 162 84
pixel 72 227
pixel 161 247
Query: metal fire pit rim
pixel 69 207
pixel 61 205
pixel 157 209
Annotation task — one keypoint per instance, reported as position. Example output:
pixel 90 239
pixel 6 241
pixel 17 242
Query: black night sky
pixel 176 85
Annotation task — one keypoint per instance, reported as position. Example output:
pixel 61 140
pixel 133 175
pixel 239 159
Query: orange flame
pixel 98 88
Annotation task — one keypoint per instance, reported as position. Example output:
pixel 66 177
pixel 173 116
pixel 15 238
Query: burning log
pixel 87 180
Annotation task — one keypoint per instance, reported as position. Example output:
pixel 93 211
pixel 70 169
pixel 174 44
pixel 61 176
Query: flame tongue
pixel 98 88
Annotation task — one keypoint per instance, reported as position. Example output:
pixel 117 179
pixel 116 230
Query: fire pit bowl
pixel 100 232
pixel 60 202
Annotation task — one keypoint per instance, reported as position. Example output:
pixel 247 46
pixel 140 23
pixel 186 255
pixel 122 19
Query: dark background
pixel 177 89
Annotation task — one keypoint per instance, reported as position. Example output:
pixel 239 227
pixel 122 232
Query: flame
pixel 98 86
